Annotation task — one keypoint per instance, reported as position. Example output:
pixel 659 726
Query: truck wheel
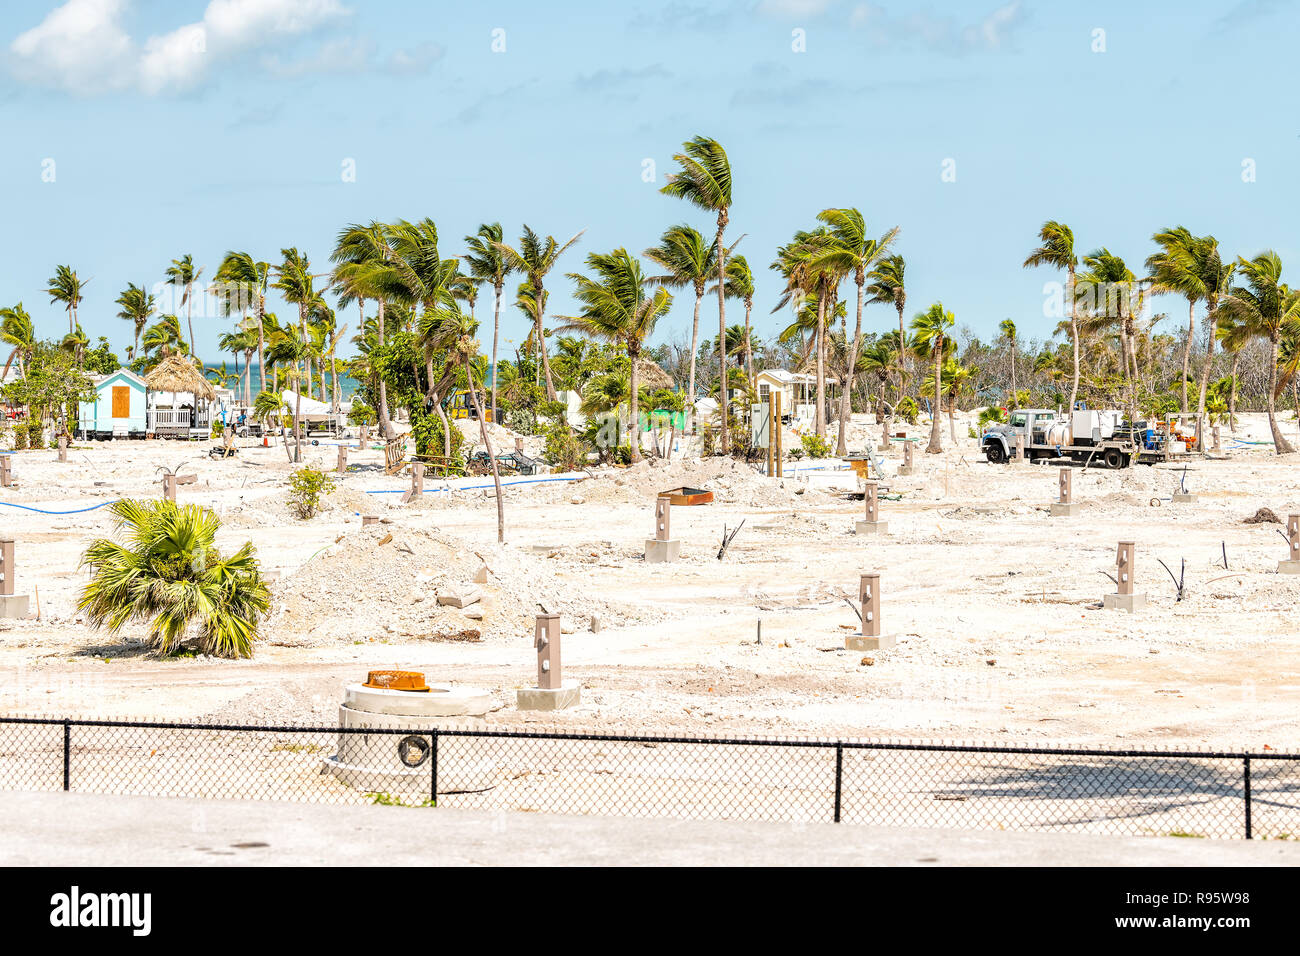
pixel 995 454
pixel 1114 458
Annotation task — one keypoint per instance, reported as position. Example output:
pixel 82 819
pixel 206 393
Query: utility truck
pixel 1086 436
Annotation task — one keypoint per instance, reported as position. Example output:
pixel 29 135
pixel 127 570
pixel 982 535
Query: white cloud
pixel 944 34
pixel 82 47
pixel 794 8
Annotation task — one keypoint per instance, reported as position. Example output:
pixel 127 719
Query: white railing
pixel 178 420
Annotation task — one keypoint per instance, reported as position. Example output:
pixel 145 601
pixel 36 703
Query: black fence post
pixel 839 778
pixel 433 767
pixel 1246 776
pixel 67 755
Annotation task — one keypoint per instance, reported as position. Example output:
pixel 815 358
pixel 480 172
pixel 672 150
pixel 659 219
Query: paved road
pixel 77 829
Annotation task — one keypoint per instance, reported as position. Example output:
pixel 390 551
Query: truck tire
pixel 1114 458
pixel 994 453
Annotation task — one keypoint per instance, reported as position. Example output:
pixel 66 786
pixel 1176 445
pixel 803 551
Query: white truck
pixel 1085 435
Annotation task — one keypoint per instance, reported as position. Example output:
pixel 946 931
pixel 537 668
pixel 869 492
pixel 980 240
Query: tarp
pixel 310 407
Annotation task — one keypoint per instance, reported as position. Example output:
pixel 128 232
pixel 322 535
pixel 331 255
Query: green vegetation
pixel 307 486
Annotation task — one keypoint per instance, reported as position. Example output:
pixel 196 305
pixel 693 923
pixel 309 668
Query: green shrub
pixel 362 414
pixel 35 435
pixel 307 486
pixel 426 429
pixel 990 415
pixel 907 410
pixel 815 446
pixel 563 450
pixel 20 437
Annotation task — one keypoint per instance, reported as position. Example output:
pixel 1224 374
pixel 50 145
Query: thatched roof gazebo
pixel 178 375
pixel 189 413
pixel 650 375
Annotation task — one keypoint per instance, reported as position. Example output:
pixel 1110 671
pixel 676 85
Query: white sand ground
pixel 996 604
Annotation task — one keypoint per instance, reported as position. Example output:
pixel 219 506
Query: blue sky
pixel 193 127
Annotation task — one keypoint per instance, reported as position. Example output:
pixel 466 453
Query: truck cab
pixel 1037 426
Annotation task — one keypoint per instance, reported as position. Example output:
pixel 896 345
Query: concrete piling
pixel 11 605
pixel 1125 598
pixel 662 547
pixel 552 691
pixel 872 523
pixel 1292 563
pixel 869 636
pixel 1065 506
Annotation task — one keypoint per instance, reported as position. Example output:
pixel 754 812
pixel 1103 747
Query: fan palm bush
pixel 167 572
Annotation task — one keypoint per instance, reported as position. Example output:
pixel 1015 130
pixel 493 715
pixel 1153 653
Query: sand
pixel 995 603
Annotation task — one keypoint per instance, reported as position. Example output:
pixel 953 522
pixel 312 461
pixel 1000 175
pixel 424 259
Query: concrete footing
pixel 872 527
pixel 547 698
pixel 1124 602
pixel 1065 509
pixel 659 552
pixel 906 470
pixel 1288 567
pixel 881 642
pixel 1185 498
pixel 16 605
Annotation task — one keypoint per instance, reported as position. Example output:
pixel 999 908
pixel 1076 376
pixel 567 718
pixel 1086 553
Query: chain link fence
pixel 1121 792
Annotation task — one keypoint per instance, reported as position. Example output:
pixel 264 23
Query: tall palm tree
pixel 19 333
pixel 241 284
pixel 1008 330
pixel 76 342
pixel 740 285
pixel 1264 308
pixel 878 359
pixel 164 337
pixel 807 273
pixel 887 286
pixel 243 341
pixel 65 287
pixel 182 274
pixel 1116 298
pixel 488 264
pixel 931 328
pixel 617 308
pixel 1057 250
pixel 705 181
pixel 294 281
pixel 361 255
pixel 852 250
pixel 419 279
pixel 168 574
pixel 689 260
pixel 1178 269
pixel 535 258
pixel 138 307
pixel 953 378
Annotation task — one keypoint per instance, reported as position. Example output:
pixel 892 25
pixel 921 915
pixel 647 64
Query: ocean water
pixel 347 384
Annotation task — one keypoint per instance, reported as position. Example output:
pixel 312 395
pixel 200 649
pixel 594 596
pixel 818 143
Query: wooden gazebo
pixel 179 399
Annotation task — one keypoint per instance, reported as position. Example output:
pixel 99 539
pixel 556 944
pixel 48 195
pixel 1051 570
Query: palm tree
pixel 534 258
pixel 169 575
pixel 852 251
pixel 76 342
pixel 616 308
pixel 1178 268
pixel 361 256
pixel 887 286
pixel 807 273
pixel 953 378
pixel 450 331
pixel 740 285
pixel 705 182
pixel 18 332
pixel 164 337
pixel 294 281
pixel 488 264
pixel 65 287
pixel 1264 308
pixel 1008 330
pixel 1057 250
pixel 1117 300
pixel 878 359
pixel 138 308
pixel 931 328
pixel 241 283
pixel 181 273
pixel 243 341
pixel 689 260
pixel 288 346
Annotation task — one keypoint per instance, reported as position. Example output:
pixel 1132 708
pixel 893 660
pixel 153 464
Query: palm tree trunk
pixel 695 344
pixel 1280 444
pixel 1187 349
pixel 636 416
pixel 902 350
pixel 749 351
pixel 936 442
pixel 446 429
pixel 819 421
pixel 1232 394
pixel 385 424
pixel 496 332
pixel 1074 337
pixel 1013 372
pixel 722 332
pixel 841 446
pixel 538 293
pixel 492 458
pixel 261 346
pixel 189 320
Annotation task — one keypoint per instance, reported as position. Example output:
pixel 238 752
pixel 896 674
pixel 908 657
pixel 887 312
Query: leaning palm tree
pixel 740 285
pixel 361 256
pixel 617 308
pixel 852 250
pixel 705 181
pixel 1264 308
pixel 164 337
pixel 488 264
pixel 241 285
pixel 535 258
pixel 19 333
pixel 168 574
pixel 808 273
pixel 182 274
pixel 689 260
pixel 931 328
pixel 138 307
pixel 65 287
pixel 1057 250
